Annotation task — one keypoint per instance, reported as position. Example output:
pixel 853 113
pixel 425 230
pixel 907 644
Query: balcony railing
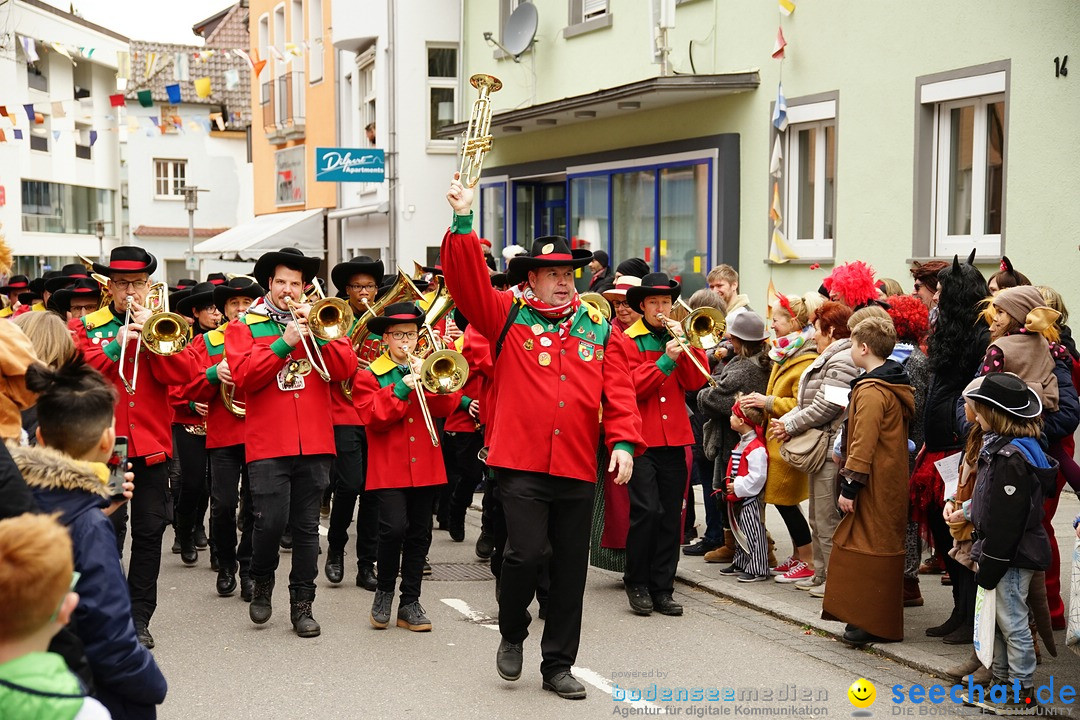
pixel 269 107
pixel 290 104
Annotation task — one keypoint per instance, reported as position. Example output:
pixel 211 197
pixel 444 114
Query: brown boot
pixel 912 595
pixel 725 553
pixel 772 550
pixel 961 671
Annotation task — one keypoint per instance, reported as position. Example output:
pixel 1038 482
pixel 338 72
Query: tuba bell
pixel 228 399
pixel 165 333
pixel 704 327
pixel 597 301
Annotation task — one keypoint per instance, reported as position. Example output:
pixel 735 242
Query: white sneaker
pixel 808 583
pixel 819 591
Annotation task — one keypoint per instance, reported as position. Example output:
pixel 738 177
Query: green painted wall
pixel 871 54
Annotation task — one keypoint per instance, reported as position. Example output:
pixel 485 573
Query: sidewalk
pixel 924 653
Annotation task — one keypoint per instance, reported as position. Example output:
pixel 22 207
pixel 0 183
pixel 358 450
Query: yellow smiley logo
pixel 862 693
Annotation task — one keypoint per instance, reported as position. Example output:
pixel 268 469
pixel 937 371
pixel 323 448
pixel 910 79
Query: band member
pixel 662 377
pixel 16 284
pixel 66 278
pixel 77 301
pixel 290 452
pixel 556 362
pixel 462 441
pixel 404 467
pixel 225 439
pixel 360 279
pixel 142 415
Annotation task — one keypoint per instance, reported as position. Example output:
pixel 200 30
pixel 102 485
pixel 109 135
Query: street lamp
pixel 99 230
pixel 191 204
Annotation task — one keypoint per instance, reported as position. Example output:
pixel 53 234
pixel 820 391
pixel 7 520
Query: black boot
pixel 185 534
pixel 247 587
pixel 286 539
pixel 201 541
pixel 300 613
pixel 365 578
pixel 335 565
pixel 226 580
pixel 259 611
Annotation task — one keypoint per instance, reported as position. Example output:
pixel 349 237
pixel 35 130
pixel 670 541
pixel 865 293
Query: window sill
pixel 434 148
pixel 803 261
pixel 588 26
pixel 170 198
pixel 979 259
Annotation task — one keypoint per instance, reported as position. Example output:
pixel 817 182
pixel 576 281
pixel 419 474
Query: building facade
pixel 908 136
pixel 60 171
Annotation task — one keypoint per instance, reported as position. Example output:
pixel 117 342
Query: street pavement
pixel 746 640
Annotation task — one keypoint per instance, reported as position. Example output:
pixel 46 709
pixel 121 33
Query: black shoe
pixel 412 617
pixel 698 549
pixel 946 627
pixel 565 686
pixel 247 586
pixel 963 635
pixel 259 611
pixel 303 623
pixel 457 532
pixel 689 536
pixel 380 609
pixel 484 547
pixel 508 660
pixel 142 632
pixel 175 544
pixel 335 565
pixel 857 637
pixel 664 604
pixel 324 508
pixel 732 570
pixel 201 540
pixel 226 581
pixel 427 567
pixel 640 602
pixel 286 539
pixel 215 565
pixel 366 578
pixel 542 611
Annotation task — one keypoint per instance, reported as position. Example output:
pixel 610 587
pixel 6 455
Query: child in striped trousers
pixel 746 471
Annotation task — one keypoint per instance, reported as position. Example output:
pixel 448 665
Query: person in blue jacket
pixel 67 474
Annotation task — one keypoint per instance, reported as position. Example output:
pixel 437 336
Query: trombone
pixel 164 333
pixel 442 372
pixel 328 319
pixel 696 340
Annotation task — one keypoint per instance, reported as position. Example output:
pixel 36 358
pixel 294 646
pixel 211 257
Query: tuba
pixel 228 399
pixel 599 302
pixel 438 307
pixel 477 140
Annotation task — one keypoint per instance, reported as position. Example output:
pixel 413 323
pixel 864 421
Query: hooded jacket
pixel 128 680
pixel 875 438
pixel 1012 478
pixel 39 686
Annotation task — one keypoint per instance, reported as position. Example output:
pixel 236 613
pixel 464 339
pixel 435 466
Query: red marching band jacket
pixel 400 452
pixel 548 391
pixel 661 386
pixel 285 423
pixel 475 350
pixel 223 429
pixel 145 417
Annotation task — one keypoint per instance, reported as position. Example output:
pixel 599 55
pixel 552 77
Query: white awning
pixel 302 230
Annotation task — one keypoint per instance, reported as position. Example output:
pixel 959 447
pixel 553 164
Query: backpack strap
pixel 510 318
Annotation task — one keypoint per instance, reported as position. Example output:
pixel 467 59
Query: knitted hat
pixel 1025 304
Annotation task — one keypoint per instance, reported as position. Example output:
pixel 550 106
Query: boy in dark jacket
pixel 1014 474
pixel 67 475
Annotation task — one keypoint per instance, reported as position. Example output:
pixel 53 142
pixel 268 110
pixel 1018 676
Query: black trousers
pixel 463 471
pixel 288 490
pixel 404 538
pixel 150 510
pixel 191 451
pixel 228 482
pixel 548 518
pixel 657 491
pixel 347 475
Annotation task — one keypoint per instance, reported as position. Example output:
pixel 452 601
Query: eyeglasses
pixel 918 285
pixel 74 581
pixel 411 334
pixel 358 288
pixel 125 284
pixel 620 303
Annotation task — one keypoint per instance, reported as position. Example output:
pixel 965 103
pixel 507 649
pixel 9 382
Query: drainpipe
pixel 391 146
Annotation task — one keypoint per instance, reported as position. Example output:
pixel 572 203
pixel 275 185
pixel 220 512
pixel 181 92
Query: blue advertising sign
pixel 349 165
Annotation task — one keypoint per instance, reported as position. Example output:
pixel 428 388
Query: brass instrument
pixel 328 319
pixel 704 326
pixel 438 307
pixel 230 402
pixel 442 372
pixel 686 348
pixel 477 139
pixel 599 302
pixel 164 333
pixel 102 280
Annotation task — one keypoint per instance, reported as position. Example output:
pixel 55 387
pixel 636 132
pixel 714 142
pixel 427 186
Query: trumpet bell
pixel 330 319
pixel 233 405
pixel 444 372
pixel 704 327
pixel 599 302
pixel 166 333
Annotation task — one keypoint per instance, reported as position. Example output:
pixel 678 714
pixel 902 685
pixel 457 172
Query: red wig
pixel 833 317
pixel 852 284
pixel 911 318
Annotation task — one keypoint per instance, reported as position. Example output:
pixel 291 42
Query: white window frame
pixel 942 243
pixel 264 52
pixel 170 177
pixel 315 41
pixel 586 15
pixel 817 115
pixel 367 93
pixel 441 145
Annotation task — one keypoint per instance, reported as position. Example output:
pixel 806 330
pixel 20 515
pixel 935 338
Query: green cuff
pixel 466 401
pixel 461 224
pixel 112 350
pixel 281 348
pixel 191 406
pixel 401 390
pixel 666 364
pixel 627 446
pixel 212 376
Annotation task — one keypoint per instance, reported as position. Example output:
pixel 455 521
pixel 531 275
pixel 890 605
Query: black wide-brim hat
pixel 199 296
pixel 237 287
pixel 651 284
pixel 29 298
pixel 394 315
pixel 217 278
pixel 290 258
pixel 67 277
pixel 128 259
pixel 548 251
pixel 83 287
pixel 183 284
pixel 16 283
pixel 177 297
pixel 342 272
pixel 1008 393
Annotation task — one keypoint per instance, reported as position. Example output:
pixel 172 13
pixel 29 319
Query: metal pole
pixel 391 150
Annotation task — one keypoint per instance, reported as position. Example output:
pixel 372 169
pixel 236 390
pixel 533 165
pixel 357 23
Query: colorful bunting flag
pixel 17 133
pixel 174 93
pixel 258 67
pixel 777 157
pixel 3 138
pixel 244 54
pixel 181 67
pixel 58 109
pixel 276 54
pixel 116 100
pixel 787 6
pixel 87 52
pixel 93 137
pixel 232 79
pixel 779 118
pixel 63 51
pixel 202 87
pixel 35 118
pixel 218 120
pixel 123 64
pixel 292 49
pixel 29 46
pixel 55 135
pixel 779 45
pixel 774 210
pixel 151 64
pixel 146 98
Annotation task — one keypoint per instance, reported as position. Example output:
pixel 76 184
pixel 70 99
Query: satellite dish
pixel 520 31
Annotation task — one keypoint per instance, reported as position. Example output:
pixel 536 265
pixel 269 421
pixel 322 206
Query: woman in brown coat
pixel 792 353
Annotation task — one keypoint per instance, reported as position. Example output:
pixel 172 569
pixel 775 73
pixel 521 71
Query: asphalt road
pixel 220 665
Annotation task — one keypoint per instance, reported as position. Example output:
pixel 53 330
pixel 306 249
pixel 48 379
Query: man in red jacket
pixel 289 436
pixel 662 377
pixel 557 363
pixel 143 415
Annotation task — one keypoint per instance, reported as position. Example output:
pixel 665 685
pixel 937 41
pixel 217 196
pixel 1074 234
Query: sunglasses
pixel 71 588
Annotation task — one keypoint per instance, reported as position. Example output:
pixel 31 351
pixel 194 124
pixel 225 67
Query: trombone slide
pixel 693 358
pixel 424 409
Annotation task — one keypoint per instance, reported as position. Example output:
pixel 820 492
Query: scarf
pixel 267 308
pixel 564 312
pixel 784 347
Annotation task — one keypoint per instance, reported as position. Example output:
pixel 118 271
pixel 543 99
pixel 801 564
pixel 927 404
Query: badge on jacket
pixel 544 359
pixel 291 375
pixel 585 351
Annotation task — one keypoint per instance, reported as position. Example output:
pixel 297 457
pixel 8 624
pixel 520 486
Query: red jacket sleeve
pixel 468 280
pixel 198 388
pixel 689 376
pixel 340 359
pixel 378 407
pixel 622 422
pixel 254 365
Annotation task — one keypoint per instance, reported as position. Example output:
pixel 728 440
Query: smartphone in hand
pixel 117 464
